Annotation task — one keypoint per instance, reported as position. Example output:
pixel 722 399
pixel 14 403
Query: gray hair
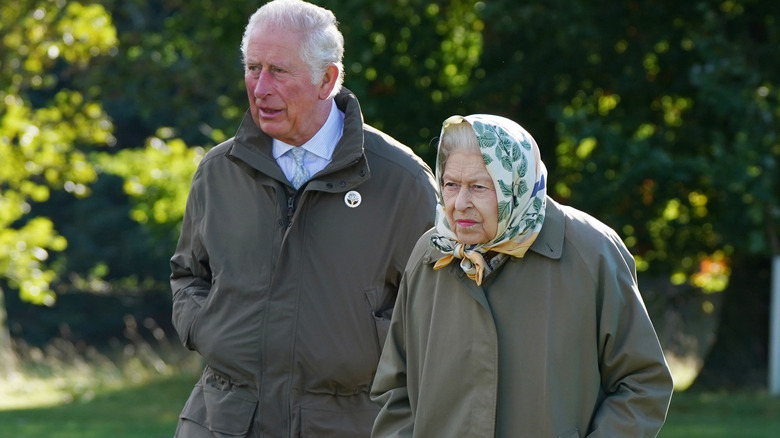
pixel 456 137
pixel 322 44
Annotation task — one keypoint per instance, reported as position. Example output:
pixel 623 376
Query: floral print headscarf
pixel 519 176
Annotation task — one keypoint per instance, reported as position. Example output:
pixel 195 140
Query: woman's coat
pixel 555 344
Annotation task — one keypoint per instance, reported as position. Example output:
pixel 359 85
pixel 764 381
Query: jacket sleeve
pixel 395 419
pixel 190 273
pixel 413 220
pixel 634 375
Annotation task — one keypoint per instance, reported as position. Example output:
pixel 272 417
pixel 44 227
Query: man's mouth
pixel 268 112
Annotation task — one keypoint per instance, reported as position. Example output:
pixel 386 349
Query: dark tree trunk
pixel 738 359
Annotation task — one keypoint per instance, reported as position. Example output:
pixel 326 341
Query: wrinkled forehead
pixel 466 165
pixel 271 43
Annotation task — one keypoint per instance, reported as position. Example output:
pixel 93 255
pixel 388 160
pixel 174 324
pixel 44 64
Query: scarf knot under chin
pixel 472 260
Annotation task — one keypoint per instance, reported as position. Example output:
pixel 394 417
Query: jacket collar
pixel 549 242
pixel 347 169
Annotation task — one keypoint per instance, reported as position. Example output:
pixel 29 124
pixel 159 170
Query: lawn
pixel 140 411
pixel 723 415
pixel 150 411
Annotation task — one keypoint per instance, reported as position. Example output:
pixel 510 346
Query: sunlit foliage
pixel 157 177
pixel 44 127
pixel 659 118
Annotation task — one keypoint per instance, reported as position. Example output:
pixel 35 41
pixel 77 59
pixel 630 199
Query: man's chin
pixel 269 127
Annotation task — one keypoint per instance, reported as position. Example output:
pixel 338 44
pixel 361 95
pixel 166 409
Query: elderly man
pixel 293 243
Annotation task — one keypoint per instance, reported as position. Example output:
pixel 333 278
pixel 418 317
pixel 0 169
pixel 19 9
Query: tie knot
pixel 297 153
pixel 300 174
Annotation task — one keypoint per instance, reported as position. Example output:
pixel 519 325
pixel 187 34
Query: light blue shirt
pixel 319 149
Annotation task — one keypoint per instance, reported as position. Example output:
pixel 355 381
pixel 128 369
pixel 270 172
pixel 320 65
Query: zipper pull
pixel 290 209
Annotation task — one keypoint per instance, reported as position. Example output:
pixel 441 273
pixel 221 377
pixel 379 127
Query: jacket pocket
pixel 229 412
pixel 381 313
pixel 221 406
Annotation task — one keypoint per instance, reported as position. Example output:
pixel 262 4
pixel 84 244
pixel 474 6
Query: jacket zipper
pixel 290 209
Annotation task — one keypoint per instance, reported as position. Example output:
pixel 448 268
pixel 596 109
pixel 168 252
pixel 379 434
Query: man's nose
pixel 262 85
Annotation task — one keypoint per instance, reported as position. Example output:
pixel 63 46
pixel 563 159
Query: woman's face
pixel 470 202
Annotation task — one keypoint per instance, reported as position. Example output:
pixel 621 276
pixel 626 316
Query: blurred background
pixel 658 117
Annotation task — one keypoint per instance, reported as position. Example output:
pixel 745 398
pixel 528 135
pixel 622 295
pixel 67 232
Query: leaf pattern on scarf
pixel 487 136
pixel 522 188
pixel 522 169
pixel 443 244
pixel 506 189
pixel 504 208
pixel 537 204
pixel 504 155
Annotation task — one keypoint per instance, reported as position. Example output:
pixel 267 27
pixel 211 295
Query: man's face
pixel 284 102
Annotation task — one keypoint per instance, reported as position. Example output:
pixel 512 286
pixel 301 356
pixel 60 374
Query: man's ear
pixel 328 81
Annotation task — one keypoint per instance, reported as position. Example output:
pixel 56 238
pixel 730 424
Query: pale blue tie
pixel 301 174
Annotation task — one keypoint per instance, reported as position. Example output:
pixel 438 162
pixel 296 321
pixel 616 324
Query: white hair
pixel 456 137
pixel 322 43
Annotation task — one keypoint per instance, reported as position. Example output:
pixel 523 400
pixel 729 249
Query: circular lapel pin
pixel 352 199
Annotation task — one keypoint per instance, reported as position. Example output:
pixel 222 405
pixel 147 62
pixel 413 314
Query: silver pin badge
pixel 352 199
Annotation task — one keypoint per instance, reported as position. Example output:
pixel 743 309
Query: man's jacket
pixel 288 295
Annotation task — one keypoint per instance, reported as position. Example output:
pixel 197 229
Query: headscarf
pixel 519 176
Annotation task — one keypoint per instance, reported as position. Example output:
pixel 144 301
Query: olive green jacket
pixel 555 344
pixel 287 295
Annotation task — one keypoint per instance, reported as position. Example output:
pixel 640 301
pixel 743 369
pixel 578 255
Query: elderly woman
pixel 516 316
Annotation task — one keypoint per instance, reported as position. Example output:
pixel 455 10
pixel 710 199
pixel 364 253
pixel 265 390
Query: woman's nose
pixel 463 199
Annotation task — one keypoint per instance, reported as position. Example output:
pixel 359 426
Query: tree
pixel 660 118
pixel 177 81
pixel 44 128
pixel 657 117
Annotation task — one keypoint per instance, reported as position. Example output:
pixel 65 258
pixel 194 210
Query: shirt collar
pixel 324 141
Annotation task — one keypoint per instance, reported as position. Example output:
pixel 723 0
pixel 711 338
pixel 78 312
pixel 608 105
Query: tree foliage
pixel 657 117
pixel 158 178
pixel 45 128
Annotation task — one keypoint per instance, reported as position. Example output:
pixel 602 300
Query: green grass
pixel 67 390
pixel 723 415
pixel 149 409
